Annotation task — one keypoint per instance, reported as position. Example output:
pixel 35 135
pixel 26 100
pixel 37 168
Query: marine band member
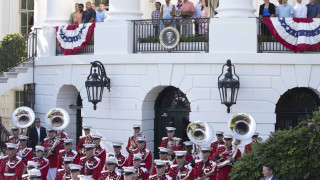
pixel 129 173
pixel 43 163
pixel 146 160
pixel 181 170
pixel 11 165
pixel 35 174
pixel 214 147
pixel 24 152
pixel 86 139
pixel 99 151
pixel 90 163
pixel 161 171
pixel 163 156
pixel 75 170
pixel 226 153
pixel 30 165
pixel 132 139
pixel 67 152
pixel 142 173
pixel 121 159
pixel 65 173
pixel 171 143
pixel 204 167
pixel 254 139
pixel 15 135
pixel 111 172
pixel 191 156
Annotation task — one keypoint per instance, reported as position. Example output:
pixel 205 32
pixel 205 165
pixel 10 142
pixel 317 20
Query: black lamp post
pixel 96 82
pixel 228 86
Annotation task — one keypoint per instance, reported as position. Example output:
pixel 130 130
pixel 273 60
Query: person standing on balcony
pixel 155 17
pixel 88 15
pixel 37 134
pixel 197 14
pixel 167 10
pixel 71 20
pixel 94 7
pixel 285 10
pixel 101 15
pixel 300 10
pixel 187 11
pixel 78 15
pixel 179 4
pixel 266 9
pixel 203 23
pixel 313 9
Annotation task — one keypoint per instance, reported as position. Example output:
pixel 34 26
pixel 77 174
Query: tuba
pixel 200 133
pixel 23 117
pixel 242 126
pixel 57 119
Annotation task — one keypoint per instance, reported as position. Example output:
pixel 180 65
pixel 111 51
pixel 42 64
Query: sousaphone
pixel 23 117
pixel 57 119
pixel 200 133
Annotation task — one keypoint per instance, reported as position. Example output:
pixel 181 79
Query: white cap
pixel 66 141
pixel 117 144
pixel 22 137
pixel 34 173
pixel 86 127
pixel 50 130
pixel 67 159
pixel 228 136
pixel 205 148
pixel 180 153
pixel 159 162
pixel 111 160
pixel 83 177
pixel 256 134
pixel 39 148
pixel 137 156
pixel 75 167
pixel 88 146
pixel 219 133
pixel 163 150
pixel 32 164
pixel 136 126
pixel 129 170
pixel 96 137
pixel 170 128
pixel 141 139
pixel 12 146
pixel 14 128
pixel 188 143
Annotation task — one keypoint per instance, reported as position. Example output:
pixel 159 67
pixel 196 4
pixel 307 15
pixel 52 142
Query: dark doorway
pixel 294 106
pixel 171 109
pixel 79 118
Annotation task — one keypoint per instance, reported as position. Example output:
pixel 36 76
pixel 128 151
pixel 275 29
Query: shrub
pixel 295 154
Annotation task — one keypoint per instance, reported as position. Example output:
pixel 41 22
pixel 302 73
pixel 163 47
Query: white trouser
pixel 52 174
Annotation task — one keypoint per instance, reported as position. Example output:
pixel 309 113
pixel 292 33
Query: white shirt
pixel 38 131
pixel 197 10
pixel 300 11
pixel 269 178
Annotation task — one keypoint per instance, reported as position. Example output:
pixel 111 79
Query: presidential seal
pixel 169 37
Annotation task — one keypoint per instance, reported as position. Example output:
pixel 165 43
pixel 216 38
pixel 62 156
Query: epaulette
pixel 143 169
pixel 25 175
pixel 61 150
pixel 59 170
pixel 11 137
pixel 153 176
pixel 46 139
pixel 174 165
pixel 83 157
pixel 198 160
pixel 164 138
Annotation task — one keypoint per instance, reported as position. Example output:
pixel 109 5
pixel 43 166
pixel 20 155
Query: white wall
pixel 9 17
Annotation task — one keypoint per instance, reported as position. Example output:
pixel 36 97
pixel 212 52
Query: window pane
pixel 23 4
pixel 24 19
pixel 30 4
pixel 30 19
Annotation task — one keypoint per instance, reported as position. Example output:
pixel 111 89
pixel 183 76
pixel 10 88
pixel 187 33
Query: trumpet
pixel 208 174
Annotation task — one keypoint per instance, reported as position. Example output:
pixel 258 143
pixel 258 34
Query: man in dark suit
pixel 267 171
pixel 37 134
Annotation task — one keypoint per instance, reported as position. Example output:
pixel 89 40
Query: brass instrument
pixel 57 119
pixel 208 174
pixel 200 133
pixel 23 117
pixel 242 126
pixel 55 144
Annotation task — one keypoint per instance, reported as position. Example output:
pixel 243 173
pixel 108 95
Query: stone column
pixel 235 9
pixel 40 7
pixel 124 10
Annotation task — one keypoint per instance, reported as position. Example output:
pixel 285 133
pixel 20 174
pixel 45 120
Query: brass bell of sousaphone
pixel 23 117
pixel 57 119
pixel 200 133
pixel 242 126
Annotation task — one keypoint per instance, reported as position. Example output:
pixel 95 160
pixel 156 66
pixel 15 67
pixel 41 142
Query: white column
pixel 40 13
pixel 235 9
pixel 58 12
pixel 124 10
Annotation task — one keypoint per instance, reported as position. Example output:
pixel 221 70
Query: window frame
pixel 28 12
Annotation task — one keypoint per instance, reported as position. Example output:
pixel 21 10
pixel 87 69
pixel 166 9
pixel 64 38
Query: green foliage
pixel 195 38
pixel 295 153
pixel 13 50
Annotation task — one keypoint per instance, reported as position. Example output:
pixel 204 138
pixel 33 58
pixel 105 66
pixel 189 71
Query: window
pixel 26 11
pixel 105 2
pixel 19 99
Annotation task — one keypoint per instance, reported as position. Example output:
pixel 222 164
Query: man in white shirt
pixel 197 11
pixel 267 171
pixel 37 134
pixel 300 10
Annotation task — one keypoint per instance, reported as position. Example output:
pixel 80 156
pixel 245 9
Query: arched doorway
pixel 294 106
pixel 172 108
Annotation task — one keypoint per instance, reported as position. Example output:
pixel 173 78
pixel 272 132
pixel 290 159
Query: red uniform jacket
pixel 101 154
pixel 11 168
pixel 43 166
pixel 146 158
pixel 83 140
pixel 143 174
pixel 162 177
pixel 214 146
pixel 53 158
pixel 91 167
pixel 62 174
pixel 26 155
pixel 168 164
pixel 122 160
pixel 248 148
pixel 176 173
pixel 223 172
pixel 106 175
pixel 25 177
pixel 168 143
pixel 203 168
pixel 13 139
pixel 63 153
pixel 132 139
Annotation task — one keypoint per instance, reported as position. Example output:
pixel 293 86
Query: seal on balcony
pixel 169 37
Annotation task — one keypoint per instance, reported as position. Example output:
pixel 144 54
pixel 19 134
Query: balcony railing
pixel 89 48
pixel 267 43
pixel 194 35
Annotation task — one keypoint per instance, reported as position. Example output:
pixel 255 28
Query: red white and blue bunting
pixel 296 34
pixel 73 38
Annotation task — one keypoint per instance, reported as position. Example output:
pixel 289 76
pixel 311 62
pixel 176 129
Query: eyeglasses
pixel 37 121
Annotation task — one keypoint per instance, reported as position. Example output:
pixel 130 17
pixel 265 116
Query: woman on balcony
pixel 266 9
pixel 203 23
pixel 166 14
